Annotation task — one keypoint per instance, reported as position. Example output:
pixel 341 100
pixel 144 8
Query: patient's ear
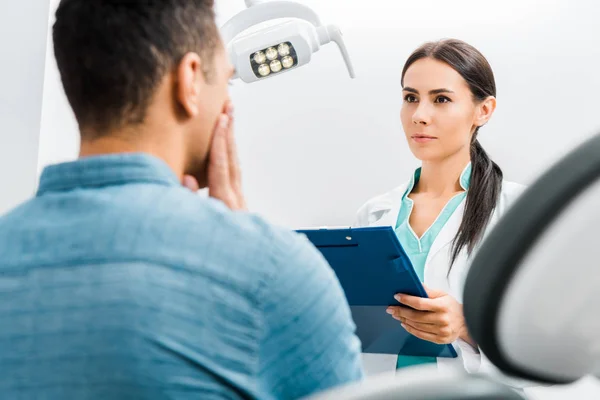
pixel 189 82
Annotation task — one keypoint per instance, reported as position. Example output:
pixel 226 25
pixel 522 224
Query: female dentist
pixel 442 213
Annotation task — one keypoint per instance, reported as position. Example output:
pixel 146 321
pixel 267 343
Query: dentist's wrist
pixel 466 337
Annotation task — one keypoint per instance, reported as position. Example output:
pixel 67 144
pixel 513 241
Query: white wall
pixel 315 145
pixel 59 137
pixel 23 47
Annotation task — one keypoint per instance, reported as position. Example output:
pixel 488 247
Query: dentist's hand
pixel 438 319
pixel 224 175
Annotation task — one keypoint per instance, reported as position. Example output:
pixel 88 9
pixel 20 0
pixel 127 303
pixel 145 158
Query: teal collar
pixel 465 179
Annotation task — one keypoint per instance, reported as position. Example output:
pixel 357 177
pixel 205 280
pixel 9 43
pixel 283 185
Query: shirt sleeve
pixel 309 342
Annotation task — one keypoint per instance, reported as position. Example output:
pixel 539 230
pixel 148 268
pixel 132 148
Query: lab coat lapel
pixel 388 207
pixel 447 233
pixel 390 214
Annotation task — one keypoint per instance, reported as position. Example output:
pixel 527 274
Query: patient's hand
pixel 438 319
pixel 224 175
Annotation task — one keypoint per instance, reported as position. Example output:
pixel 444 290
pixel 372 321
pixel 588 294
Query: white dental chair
pixel 422 383
pixel 532 295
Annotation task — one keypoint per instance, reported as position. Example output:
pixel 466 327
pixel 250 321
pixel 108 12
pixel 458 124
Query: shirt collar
pixel 465 179
pixel 106 170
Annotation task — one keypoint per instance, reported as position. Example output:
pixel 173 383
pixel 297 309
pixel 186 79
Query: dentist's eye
pixel 442 99
pixel 409 98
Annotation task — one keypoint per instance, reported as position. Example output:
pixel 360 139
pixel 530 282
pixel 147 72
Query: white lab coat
pixel 383 211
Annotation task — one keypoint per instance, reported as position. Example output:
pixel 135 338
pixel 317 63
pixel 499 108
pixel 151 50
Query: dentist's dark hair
pixel 486 175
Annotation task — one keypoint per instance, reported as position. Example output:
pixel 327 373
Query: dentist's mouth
pixel 423 138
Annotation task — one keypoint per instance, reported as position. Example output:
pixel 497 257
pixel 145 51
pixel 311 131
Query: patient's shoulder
pixel 208 232
pixel 215 221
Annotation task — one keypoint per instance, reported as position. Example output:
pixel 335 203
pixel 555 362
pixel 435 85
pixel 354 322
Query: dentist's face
pixel 438 112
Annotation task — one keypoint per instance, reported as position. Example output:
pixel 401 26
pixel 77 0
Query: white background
pixel 23 26
pixel 314 145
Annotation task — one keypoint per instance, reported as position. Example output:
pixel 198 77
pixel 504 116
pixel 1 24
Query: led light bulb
pixel 275 65
pixel 287 62
pixel 283 49
pixel 272 53
pixel 260 57
pixel 264 70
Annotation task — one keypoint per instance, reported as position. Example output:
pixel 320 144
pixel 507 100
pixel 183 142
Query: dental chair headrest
pixel 532 295
pixel 423 382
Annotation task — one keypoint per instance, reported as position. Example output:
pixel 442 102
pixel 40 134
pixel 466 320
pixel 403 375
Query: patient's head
pixel 449 92
pixel 144 75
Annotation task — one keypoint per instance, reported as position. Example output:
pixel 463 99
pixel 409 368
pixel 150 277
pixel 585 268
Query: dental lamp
pixel 281 47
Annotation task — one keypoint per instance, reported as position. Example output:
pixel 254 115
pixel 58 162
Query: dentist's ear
pixel 485 110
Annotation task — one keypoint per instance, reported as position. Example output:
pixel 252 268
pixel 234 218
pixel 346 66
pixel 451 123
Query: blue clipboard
pixel 372 267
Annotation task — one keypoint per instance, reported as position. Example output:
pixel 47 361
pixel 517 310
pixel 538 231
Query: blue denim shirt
pixel 116 282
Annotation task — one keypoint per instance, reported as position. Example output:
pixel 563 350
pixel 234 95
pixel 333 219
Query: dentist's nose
pixel 422 115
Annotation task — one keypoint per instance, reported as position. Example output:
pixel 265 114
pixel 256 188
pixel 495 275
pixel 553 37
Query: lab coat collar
pixel 391 203
pixel 450 228
pixel 448 231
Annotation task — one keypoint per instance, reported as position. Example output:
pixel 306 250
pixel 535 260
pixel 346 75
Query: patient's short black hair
pixel 112 54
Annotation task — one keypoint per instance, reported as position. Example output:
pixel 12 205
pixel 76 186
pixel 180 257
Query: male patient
pixel 117 280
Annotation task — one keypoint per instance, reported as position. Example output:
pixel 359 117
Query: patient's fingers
pixel 235 173
pixel 191 183
pixel 219 185
pixel 223 169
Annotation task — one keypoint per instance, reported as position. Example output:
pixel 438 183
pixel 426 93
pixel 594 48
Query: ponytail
pixel 482 196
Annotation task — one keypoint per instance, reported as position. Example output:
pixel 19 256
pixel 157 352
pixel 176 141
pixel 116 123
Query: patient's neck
pixel 156 145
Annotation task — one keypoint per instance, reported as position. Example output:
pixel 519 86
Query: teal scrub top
pixel 417 248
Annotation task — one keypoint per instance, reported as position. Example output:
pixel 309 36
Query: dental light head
pixel 281 47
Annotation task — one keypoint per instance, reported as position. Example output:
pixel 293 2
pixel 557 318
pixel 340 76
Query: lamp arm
pixel 263 12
